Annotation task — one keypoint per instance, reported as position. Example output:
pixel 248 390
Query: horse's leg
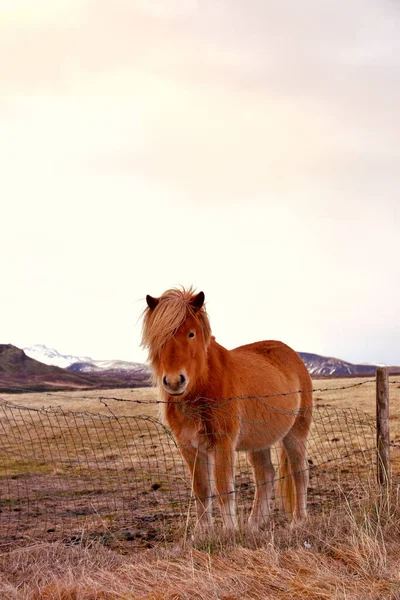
pixel 295 448
pixel 200 465
pixel 224 470
pixel 264 473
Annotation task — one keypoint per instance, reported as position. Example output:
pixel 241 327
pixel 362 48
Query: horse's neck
pixel 212 381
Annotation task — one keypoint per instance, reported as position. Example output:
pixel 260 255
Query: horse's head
pixel 176 331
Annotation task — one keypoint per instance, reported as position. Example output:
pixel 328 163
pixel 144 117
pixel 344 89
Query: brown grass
pixel 363 398
pixel 352 555
pixel 348 554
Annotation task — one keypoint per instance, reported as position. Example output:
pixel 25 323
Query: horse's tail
pixel 286 492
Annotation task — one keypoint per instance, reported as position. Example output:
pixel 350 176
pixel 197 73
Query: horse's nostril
pixel 173 382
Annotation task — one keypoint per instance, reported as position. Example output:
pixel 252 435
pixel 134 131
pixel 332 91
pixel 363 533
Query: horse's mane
pixel 161 323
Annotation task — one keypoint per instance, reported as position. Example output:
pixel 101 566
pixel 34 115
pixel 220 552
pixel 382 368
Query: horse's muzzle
pixel 175 385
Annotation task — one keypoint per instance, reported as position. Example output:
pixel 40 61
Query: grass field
pixel 344 551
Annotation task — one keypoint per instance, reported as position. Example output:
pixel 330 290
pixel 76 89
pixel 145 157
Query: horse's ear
pixel 198 301
pixel 152 302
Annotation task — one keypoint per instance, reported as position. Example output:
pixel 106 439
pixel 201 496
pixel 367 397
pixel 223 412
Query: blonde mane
pixel 161 323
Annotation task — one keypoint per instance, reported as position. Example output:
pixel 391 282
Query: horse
pixel 218 401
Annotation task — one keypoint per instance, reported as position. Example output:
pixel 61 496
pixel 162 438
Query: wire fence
pixel 65 474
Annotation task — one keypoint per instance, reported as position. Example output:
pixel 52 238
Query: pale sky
pixel 250 148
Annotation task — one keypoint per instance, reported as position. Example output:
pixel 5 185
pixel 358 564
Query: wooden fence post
pixel 382 424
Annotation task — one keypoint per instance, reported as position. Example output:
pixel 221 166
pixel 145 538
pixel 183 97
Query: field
pixel 146 547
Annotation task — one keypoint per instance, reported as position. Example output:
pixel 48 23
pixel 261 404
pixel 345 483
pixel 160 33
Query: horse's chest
pixel 186 425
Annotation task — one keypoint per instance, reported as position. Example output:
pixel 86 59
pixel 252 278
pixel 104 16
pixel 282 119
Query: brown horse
pixel 217 401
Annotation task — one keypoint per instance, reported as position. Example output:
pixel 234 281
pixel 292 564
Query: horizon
pixel 250 150
pixel 145 361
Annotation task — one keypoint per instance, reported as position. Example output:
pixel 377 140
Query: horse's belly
pixel 258 434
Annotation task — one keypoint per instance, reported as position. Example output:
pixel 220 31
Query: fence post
pixel 382 424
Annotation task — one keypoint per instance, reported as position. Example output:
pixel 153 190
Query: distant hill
pixel 17 370
pixel 51 356
pixel 84 364
pixel 326 366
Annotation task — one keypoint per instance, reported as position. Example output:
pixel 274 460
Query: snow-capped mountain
pixel 317 365
pixel 50 356
pixel 19 372
pixel 80 364
pixel 327 366
pixel 97 366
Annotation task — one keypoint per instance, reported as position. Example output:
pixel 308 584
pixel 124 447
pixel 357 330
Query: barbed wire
pixel 62 394
pixel 195 408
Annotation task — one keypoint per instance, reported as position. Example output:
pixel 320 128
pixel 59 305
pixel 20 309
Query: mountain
pixel 50 356
pixel 317 365
pixel 17 370
pixel 102 366
pixel 326 366
pixel 83 364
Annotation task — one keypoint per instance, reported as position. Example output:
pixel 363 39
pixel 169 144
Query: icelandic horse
pixel 218 401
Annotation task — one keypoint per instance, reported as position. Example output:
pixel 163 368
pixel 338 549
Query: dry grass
pixel 363 398
pixel 352 555
pixel 90 400
pixel 349 554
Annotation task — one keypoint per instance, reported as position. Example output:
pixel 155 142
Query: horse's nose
pixel 175 384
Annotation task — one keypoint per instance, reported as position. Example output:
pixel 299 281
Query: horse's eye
pixel 191 334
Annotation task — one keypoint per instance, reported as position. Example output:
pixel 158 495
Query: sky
pixel 248 148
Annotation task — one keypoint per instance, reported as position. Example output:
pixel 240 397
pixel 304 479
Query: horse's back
pixel 276 356
pixel 272 367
